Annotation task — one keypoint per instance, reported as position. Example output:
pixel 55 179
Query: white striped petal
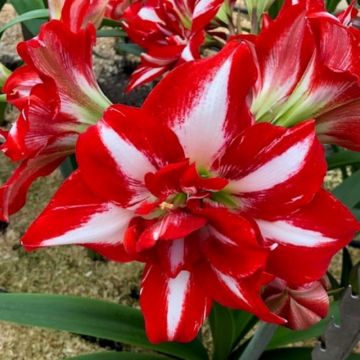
pixel 106 226
pixel 276 171
pixel 288 233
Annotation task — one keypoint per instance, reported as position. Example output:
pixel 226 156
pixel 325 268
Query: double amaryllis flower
pixel 58 97
pixel 309 68
pixel 215 206
pixel 171 32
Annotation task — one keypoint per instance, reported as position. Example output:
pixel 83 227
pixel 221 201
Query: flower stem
pixel 2 98
pixel 259 341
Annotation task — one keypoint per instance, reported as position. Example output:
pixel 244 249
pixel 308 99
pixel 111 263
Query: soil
pixel 67 270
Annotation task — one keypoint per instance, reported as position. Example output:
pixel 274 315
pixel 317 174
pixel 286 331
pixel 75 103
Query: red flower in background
pixel 302 306
pixel 210 202
pixel 309 68
pixel 58 96
pixel 171 32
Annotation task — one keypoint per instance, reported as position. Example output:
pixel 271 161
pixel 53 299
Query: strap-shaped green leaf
pixel 31 15
pixel 85 316
pixel 349 190
pixel 343 158
pixel 119 356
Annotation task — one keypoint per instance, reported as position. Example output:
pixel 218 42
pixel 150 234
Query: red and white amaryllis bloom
pixel 90 11
pixel 309 68
pixel 190 187
pixel 171 32
pixel 302 306
pixel 58 96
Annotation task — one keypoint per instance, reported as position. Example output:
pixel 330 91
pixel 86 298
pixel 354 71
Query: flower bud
pixel 302 306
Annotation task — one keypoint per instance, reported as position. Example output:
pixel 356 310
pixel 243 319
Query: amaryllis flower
pixel 210 202
pixel 116 8
pixel 302 306
pixel 89 11
pixel 171 32
pixel 309 68
pixel 58 96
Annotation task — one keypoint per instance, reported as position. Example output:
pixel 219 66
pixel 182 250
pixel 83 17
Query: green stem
pixel 259 341
pixel 3 98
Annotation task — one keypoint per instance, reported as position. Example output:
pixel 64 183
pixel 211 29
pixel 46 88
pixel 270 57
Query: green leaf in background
pixel 275 8
pixel 223 327
pixel 354 278
pixel 25 6
pixel 346 267
pixel 91 317
pixel 119 356
pixel 285 336
pixel 332 4
pixel 2 3
pixel 111 33
pixel 349 190
pixel 343 158
pixel 31 15
pixel 129 49
pixel 287 354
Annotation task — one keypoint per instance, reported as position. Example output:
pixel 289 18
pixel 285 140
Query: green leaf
pixel 2 3
pixel 332 4
pixel 110 33
pixel 25 6
pixel 349 190
pixel 85 316
pixel 288 353
pixel 345 267
pixel 275 8
pixel 222 324
pixel 34 14
pixel 354 278
pixel 285 336
pixel 129 48
pixel 343 158
pixel 119 356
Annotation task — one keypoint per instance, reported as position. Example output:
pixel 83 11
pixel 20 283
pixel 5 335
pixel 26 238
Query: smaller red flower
pixel 309 67
pixel 171 32
pixel 58 96
pixel 302 306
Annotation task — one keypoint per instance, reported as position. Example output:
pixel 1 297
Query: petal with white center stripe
pixel 174 308
pixel 76 216
pixel 274 170
pixel 126 145
pixel 308 239
pixel 206 109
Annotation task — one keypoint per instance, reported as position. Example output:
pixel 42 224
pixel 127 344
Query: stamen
pixel 166 206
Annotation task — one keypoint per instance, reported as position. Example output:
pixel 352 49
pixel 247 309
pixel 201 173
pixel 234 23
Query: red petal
pixel 274 170
pixel 66 58
pixel 127 144
pixel 174 308
pixel 19 84
pixel 77 216
pixel 195 107
pixel 308 239
pixel 241 294
pixel 175 225
pixel 13 192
